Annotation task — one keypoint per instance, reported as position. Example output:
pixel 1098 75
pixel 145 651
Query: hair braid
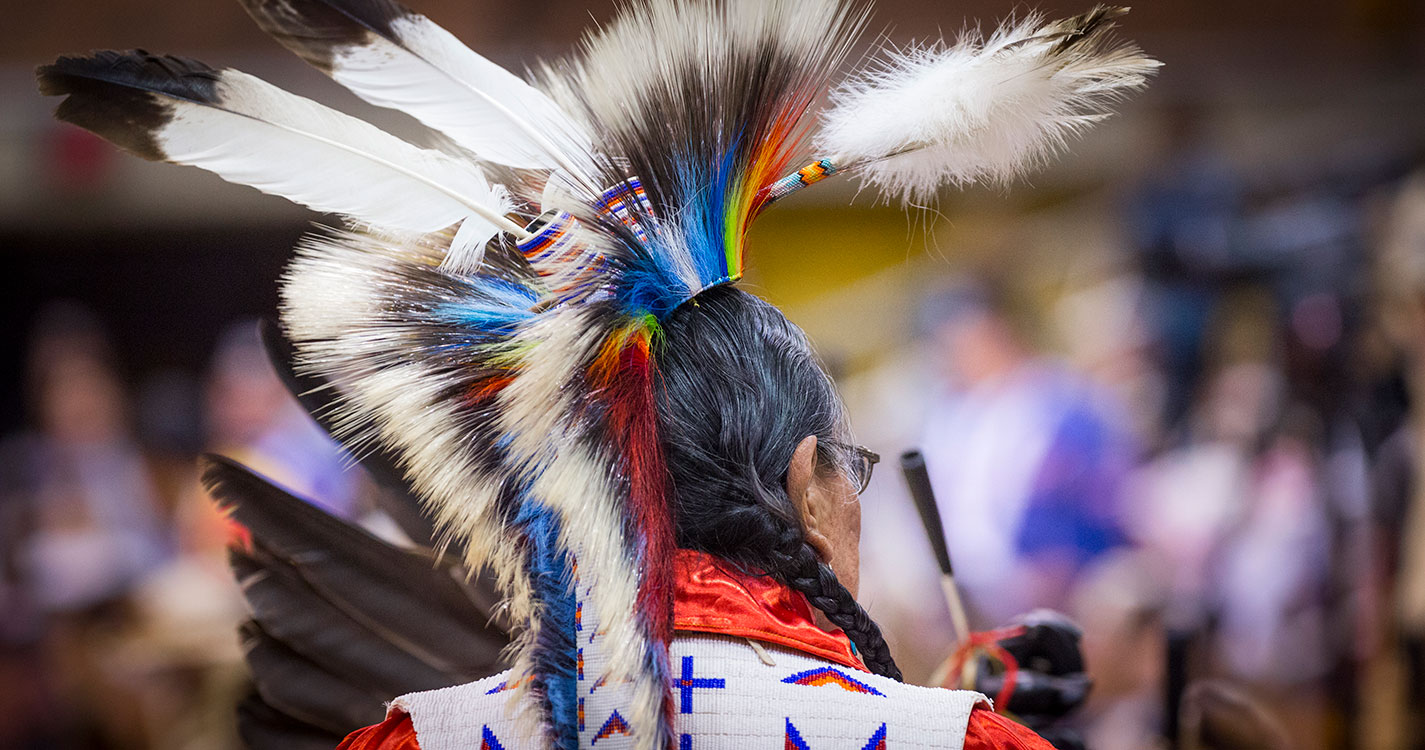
pixel 806 573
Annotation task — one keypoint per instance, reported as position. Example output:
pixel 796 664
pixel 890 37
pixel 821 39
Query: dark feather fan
pixel 341 620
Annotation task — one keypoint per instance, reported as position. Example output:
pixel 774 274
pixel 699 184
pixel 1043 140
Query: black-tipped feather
pixel 317 30
pixel 403 597
pixel 394 57
pixel 120 95
pixel 252 133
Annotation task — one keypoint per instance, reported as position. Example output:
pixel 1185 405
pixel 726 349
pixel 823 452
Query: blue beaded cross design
pixel 685 685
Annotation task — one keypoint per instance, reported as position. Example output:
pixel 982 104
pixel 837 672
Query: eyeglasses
pixel 863 462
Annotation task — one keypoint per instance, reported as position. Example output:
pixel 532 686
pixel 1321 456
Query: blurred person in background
pixel 81 527
pixel 254 420
pixel 1399 492
pixel 183 643
pixel 1235 518
pixel 1183 220
pixel 181 648
pixel 1026 457
pixel 1101 325
pixel 1119 603
pixel 1104 328
pixel 119 612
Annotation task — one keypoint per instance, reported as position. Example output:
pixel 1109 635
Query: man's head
pixel 763 472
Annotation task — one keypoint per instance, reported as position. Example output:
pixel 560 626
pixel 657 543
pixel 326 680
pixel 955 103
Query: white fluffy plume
pixel 982 109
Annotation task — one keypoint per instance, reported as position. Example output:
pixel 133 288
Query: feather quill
pixel 246 131
pixel 983 109
pixel 394 57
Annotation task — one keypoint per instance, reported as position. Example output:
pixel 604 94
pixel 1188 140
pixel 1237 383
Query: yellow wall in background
pixel 854 277
pixel 797 254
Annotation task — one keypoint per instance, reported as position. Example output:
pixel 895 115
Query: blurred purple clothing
pixel 90 526
pixel 308 462
pixel 1026 469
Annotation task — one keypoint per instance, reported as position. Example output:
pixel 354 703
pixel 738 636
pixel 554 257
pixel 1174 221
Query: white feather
pixel 259 135
pixel 429 74
pixel 980 110
pixel 341 306
pixel 467 248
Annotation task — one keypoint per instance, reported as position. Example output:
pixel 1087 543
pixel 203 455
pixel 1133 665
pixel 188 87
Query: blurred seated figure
pixel 1235 517
pixel 1026 457
pixel 178 652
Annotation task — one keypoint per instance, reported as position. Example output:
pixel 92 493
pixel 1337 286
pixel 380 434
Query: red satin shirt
pixel 712 597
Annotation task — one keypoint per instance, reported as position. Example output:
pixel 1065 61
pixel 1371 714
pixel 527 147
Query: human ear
pixel 806 496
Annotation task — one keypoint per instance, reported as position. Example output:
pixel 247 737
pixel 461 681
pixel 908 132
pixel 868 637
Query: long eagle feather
pixel 394 57
pixel 247 131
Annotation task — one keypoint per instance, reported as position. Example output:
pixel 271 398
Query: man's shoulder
pixel 728 694
pixel 732 692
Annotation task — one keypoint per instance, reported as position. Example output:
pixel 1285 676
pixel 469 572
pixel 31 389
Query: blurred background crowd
pixel 1171 385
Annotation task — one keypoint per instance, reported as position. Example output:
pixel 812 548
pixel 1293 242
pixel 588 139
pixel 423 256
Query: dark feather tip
pixel 318 29
pixel 295 686
pixel 179 77
pixel 1090 25
pixel 120 96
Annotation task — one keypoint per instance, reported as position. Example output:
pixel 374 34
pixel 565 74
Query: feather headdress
pixel 501 340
